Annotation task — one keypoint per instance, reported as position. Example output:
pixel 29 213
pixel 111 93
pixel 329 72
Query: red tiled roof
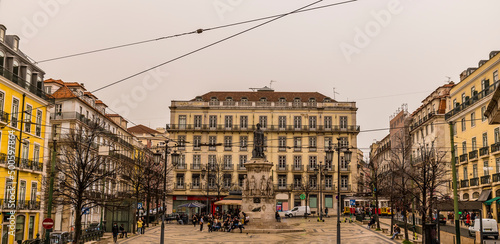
pixel 63 92
pixel 100 102
pixel 269 95
pixel 71 84
pixel 60 82
pixel 139 129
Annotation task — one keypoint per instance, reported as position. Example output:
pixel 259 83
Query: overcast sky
pixel 379 53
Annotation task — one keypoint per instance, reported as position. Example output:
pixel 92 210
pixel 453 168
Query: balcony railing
pixel 344 169
pixel 241 167
pixel 182 166
pixel 483 151
pixel 473 154
pixel 282 168
pixel 496 177
pixel 23 83
pixel 474 181
pixel 487 91
pixel 344 188
pixel 235 127
pixel 22 163
pixel 421 121
pixel 485 179
pixel 4 117
pixel 195 166
pixel 180 186
pixel 495 147
pixel 297 168
pixel 463 157
pixel 228 167
pixel 19 204
pixel 464 183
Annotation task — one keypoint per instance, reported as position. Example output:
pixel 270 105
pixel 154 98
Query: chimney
pixel 463 75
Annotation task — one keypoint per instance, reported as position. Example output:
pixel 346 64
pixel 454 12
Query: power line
pixel 199 31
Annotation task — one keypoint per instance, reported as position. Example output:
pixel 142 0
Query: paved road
pixel 315 233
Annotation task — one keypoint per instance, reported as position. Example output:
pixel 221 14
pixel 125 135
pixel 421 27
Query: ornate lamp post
pixel 347 158
pixel 321 170
pixel 175 161
pixel 206 171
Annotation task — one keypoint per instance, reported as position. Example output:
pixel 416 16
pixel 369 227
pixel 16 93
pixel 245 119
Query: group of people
pixel 221 221
pixel 118 230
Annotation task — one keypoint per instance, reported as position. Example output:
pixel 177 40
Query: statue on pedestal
pixel 258 143
pixel 270 188
pixel 253 186
pixel 245 186
pixel 263 186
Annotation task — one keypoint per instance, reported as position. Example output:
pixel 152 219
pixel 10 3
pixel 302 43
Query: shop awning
pixel 228 202
pixel 484 195
pixel 489 202
pixel 192 205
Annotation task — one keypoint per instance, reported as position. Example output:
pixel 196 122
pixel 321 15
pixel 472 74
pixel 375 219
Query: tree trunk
pixel 78 220
pixel 148 202
pixel 376 212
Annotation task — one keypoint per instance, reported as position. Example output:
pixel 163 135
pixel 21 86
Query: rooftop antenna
pixel 449 79
pixel 334 92
pixel 271 83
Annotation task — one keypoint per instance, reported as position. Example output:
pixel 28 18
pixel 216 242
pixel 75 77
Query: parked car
pixel 442 219
pixel 490 228
pixel 298 211
pixel 61 237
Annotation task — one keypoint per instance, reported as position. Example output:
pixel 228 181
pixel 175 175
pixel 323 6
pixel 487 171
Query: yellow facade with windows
pixel 23 106
pixel 477 144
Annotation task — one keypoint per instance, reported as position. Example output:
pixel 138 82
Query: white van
pixel 298 211
pixel 490 228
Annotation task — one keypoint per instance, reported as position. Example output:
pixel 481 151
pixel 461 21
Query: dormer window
pixel 282 100
pixel 229 99
pixel 2 34
pixel 244 99
pixel 15 44
pixel 296 102
pixel 198 99
pixel 263 99
pixel 326 100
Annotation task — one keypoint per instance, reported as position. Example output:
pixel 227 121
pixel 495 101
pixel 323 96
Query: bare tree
pixel 307 187
pixel 428 175
pixel 83 172
pixel 375 179
pixel 400 167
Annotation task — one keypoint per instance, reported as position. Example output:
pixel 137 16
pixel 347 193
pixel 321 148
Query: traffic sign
pixel 139 205
pixel 352 202
pixel 302 196
pixel 48 223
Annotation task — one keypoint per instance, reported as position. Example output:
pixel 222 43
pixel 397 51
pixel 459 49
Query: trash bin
pixel 431 234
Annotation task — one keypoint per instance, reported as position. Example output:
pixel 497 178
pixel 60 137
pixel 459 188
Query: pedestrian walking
pixel 115 232
pixel 139 226
pixel 201 224
pixel 195 220
pixel 326 212
pixel 240 225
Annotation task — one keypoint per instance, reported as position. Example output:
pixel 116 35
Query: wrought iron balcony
pixel 485 179
pixel 480 95
pixel 282 168
pixel 464 183
pixel 463 157
pixel 474 181
pixel 496 177
pixel 32 88
pixel 195 167
pixel 495 147
pixel 473 154
pixel 297 168
pixel 483 151
pixel 241 167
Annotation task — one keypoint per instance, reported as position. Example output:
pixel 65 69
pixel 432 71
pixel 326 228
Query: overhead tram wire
pixel 199 31
pixel 207 46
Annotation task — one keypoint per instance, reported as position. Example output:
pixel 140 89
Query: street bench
pixel 417 241
pixel 385 230
pixel 399 236
pixel 373 226
pixel 365 222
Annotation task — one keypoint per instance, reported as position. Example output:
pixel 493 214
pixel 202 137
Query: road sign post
pixel 48 223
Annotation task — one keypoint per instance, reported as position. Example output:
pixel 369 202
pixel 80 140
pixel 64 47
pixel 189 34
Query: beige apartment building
pixel 217 127
pixel 430 132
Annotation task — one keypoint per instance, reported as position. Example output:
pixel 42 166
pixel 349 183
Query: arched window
pixel 263 99
pixel 465 196
pixel 475 195
pixel 296 102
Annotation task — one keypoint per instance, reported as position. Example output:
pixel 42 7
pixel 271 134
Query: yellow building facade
pixel 477 144
pixel 298 128
pixel 23 114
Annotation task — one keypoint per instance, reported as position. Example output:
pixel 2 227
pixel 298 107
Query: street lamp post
pixel 320 170
pixel 175 158
pixel 207 172
pixel 347 158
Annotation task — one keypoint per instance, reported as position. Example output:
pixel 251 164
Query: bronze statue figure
pixel 258 143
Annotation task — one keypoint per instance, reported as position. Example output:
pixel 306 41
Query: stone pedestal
pixel 258 198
